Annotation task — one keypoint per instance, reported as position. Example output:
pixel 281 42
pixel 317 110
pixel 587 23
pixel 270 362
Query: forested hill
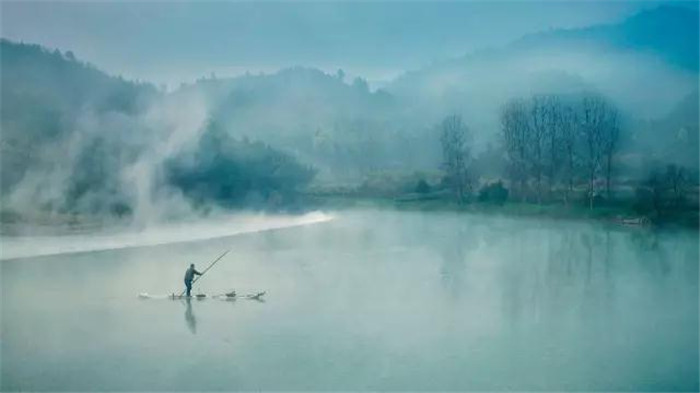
pixel 32 69
pixel 46 95
pixel 76 140
pixel 52 88
pixel 292 103
pixel 336 123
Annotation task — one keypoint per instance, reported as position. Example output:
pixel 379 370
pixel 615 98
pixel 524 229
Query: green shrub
pixel 422 187
pixel 494 193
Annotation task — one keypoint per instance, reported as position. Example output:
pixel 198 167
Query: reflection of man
pixel 189 317
pixel 189 276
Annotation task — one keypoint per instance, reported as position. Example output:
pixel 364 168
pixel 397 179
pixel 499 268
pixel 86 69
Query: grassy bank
pixel 620 213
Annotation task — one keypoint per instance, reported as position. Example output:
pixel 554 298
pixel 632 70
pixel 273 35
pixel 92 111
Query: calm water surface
pixel 373 300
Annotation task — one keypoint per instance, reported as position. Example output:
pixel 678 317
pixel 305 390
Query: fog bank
pixel 157 234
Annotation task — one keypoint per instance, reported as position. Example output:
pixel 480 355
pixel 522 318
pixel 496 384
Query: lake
pixel 370 300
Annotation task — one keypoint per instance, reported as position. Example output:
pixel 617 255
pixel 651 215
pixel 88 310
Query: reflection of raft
pixel 226 296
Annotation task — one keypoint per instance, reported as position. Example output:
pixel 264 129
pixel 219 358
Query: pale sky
pixel 173 42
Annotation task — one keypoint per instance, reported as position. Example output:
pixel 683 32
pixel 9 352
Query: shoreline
pixel 616 215
pixel 620 214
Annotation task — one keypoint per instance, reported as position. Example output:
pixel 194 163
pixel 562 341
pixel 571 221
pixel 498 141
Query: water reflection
pixel 454 254
pixel 189 317
pixel 649 246
pixel 551 269
pixel 371 301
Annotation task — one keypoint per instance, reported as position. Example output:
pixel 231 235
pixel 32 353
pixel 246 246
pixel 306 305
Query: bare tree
pixel 547 137
pixel 537 140
pixel 514 124
pixel 455 152
pixel 568 126
pixel 676 178
pixel 552 114
pixel 610 136
pixel 592 125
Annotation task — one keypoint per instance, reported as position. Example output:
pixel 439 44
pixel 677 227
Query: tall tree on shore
pixel 514 125
pixel 610 136
pixel 537 142
pixel 599 130
pixel 552 109
pixel 454 136
pixel 568 126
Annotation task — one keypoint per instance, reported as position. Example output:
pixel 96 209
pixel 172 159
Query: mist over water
pixel 155 234
pixel 371 300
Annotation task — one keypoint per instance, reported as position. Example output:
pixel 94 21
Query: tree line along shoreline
pixel 561 156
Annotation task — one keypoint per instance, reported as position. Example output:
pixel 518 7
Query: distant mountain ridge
pixel 672 33
pixel 646 64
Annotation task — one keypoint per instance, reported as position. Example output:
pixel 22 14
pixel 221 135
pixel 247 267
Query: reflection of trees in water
pixel 511 273
pixel 690 257
pixel 455 244
pixel 593 282
pixel 651 252
pixel 584 273
pixel 669 261
pixel 452 267
pixel 557 270
pixel 454 240
pixel 189 317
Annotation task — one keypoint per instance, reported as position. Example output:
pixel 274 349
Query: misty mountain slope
pixel 671 33
pixel 49 99
pixel 76 140
pixel 295 100
pixel 344 129
pixel 645 64
pixel 39 85
pixel 675 138
pixel 335 125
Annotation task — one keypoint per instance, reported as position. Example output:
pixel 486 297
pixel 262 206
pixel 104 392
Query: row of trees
pixel 558 139
pixel 550 142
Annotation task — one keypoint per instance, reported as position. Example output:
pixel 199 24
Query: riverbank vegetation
pixel 561 156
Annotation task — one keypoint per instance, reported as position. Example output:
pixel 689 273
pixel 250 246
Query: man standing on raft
pixel 189 276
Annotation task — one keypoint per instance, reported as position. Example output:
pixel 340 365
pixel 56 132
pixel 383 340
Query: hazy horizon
pixel 170 43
